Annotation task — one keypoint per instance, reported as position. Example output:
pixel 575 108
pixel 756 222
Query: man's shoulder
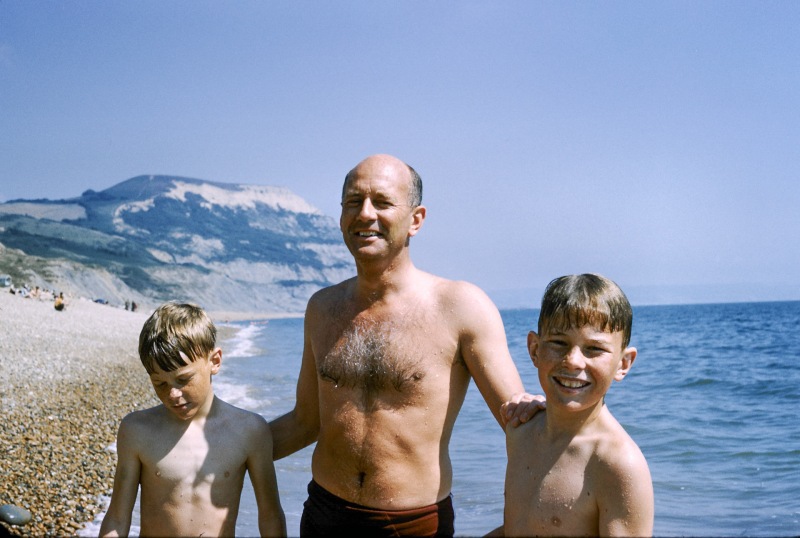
pixel 454 291
pixel 329 294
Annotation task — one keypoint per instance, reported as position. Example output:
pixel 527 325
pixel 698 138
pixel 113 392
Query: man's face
pixel 188 389
pixel 377 219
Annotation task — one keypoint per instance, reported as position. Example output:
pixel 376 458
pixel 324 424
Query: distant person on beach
pixel 190 454
pixel 387 360
pixel 573 470
pixel 59 303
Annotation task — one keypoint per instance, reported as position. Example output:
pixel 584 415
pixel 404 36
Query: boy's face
pixel 187 390
pixel 577 366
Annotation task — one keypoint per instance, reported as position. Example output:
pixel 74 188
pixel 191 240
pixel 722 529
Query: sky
pixel 657 143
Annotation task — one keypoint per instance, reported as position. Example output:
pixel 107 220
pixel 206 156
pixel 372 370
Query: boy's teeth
pixel 572 383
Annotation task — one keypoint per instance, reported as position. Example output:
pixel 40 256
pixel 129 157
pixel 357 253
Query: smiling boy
pixel 189 454
pixel 573 470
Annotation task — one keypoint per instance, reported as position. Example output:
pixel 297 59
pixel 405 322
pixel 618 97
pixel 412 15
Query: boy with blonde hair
pixel 573 470
pixel 189 454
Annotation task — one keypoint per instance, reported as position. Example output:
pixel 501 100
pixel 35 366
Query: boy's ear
pixel 533 347
pixel 216 360
pixel 628 356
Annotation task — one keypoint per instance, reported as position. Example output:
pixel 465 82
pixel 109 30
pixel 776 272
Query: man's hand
pixel 521 408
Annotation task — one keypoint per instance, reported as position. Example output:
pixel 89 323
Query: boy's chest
pixel 560 495
pixel 193 460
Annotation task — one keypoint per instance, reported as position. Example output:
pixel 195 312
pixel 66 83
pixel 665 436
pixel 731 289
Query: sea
pixel 712 401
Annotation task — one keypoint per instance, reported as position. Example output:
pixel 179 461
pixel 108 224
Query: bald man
pixel 387 360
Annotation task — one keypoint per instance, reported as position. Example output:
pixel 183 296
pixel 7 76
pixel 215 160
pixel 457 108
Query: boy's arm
pixel 299 428
pixel 271 520
pixel 117 521
pixel 627 507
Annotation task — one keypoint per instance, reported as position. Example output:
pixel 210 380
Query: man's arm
pixel 117 521
pixel 626 506
pixel 299 427
pixel 260 467
pixel 485 349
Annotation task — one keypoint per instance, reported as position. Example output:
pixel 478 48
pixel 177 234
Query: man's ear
pixel 533 347
pixel 216 360
pixel 417 218
pixel 628 356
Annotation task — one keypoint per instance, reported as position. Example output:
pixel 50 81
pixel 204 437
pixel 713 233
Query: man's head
pixel 576 300
pixel 174 335
pixel 381 207
pixel 414 185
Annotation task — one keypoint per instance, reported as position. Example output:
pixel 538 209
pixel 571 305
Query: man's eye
pixel 353 202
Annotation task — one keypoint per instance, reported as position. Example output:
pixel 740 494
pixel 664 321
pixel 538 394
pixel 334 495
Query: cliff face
pixel 230 248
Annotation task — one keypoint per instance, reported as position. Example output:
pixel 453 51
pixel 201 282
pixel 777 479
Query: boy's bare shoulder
pixel 241 419
pixel 144 418
pixel 616 453
pixel 526 430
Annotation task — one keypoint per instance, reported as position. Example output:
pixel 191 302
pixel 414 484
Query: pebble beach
pixel 68 378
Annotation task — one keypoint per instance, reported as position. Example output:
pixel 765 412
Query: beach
pixel 68 378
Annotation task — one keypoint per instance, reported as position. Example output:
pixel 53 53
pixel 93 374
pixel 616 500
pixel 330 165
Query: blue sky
pixel 657 143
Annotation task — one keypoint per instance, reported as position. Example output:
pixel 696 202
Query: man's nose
pixel 367 210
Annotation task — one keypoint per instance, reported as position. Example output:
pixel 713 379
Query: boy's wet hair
pixel 578 300
pixel 173 334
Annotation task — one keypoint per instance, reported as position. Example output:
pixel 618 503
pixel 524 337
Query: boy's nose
pixel 574 358
pixel 175 393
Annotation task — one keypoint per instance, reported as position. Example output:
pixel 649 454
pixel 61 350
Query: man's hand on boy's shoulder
pixel 521 408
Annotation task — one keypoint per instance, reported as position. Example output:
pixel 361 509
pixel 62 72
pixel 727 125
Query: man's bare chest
pixel 386 356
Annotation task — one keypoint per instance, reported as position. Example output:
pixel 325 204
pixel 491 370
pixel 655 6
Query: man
pixel 387 361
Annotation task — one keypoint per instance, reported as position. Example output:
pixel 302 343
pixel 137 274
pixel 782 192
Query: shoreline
pixel 69 379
